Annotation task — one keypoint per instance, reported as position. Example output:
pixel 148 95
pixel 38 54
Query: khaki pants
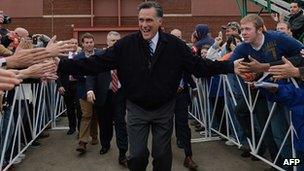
pixel 88 125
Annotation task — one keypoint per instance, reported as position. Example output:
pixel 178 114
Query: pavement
pixel 57 153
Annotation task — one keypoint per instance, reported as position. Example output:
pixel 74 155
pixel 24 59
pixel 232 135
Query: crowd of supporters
pixel 27 60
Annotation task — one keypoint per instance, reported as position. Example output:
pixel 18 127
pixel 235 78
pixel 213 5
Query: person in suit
pixel 149 65
pixel 109 104
pixel 183 100
pixel 88 125
pixel 67 87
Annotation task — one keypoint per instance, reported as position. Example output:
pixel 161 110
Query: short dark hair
pixel 87 35
pixel 299 3
pixel 152 4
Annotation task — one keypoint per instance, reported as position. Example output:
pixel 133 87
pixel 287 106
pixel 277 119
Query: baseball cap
pixel 233 25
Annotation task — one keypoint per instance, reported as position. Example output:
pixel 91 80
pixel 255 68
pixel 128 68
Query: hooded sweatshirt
pixel 203 38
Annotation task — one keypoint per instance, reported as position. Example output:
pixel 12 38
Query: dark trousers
pixel 182 130
pixel 72 104
pixel 114 109
pixel 139 123
pixel 262 113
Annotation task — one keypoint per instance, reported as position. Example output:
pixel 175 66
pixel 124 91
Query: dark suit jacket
pixel 100 85
pixel 63 79
pixel 81 78
pixel 148 83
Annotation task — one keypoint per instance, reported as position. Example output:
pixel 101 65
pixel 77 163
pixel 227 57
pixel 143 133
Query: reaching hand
pixel 238 66
pixel 8 80
pixel 27 57
pixel 286 70
pixel 254 66
pixel 243 71
pixel 218 41
pixel 38 70
pixel 59 48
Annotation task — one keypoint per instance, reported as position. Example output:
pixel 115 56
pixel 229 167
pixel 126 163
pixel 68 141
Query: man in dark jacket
pixel 149 64
pixel 67 88
pixel 296 20
pixel 110 105
pixel 183 100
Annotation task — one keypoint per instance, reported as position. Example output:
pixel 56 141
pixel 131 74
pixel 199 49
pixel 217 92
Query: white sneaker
pixel 230 142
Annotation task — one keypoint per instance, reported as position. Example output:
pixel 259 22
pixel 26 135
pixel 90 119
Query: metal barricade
pixel 203 111
pixel 34 107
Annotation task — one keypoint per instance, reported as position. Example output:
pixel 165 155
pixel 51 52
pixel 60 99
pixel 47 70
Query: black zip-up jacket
pixel 149 83
pixel 296 22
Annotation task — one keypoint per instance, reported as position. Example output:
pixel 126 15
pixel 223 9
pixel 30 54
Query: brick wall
pixel 63 27
pixel 64 30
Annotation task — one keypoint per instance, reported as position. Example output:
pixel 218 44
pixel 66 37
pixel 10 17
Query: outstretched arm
pixel 204 67
pixel 89 66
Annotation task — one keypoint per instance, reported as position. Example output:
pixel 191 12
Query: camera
pixel 40 40
pixel 6 19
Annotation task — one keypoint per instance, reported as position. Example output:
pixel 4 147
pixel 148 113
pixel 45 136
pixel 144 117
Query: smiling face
pixel 88 44
pixel 148 22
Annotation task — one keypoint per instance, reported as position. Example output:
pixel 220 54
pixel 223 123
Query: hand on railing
pixel 61 90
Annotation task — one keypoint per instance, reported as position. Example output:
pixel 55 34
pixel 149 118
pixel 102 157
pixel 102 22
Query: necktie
pixel 150 48
pixel 114 81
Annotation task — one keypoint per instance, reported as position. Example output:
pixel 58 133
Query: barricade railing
pixel 34 107
pixel 203 111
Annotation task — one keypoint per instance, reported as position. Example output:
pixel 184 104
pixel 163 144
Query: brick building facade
pixel 73 17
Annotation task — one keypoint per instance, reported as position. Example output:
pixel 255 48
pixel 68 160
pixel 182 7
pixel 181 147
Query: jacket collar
pixel 162 41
